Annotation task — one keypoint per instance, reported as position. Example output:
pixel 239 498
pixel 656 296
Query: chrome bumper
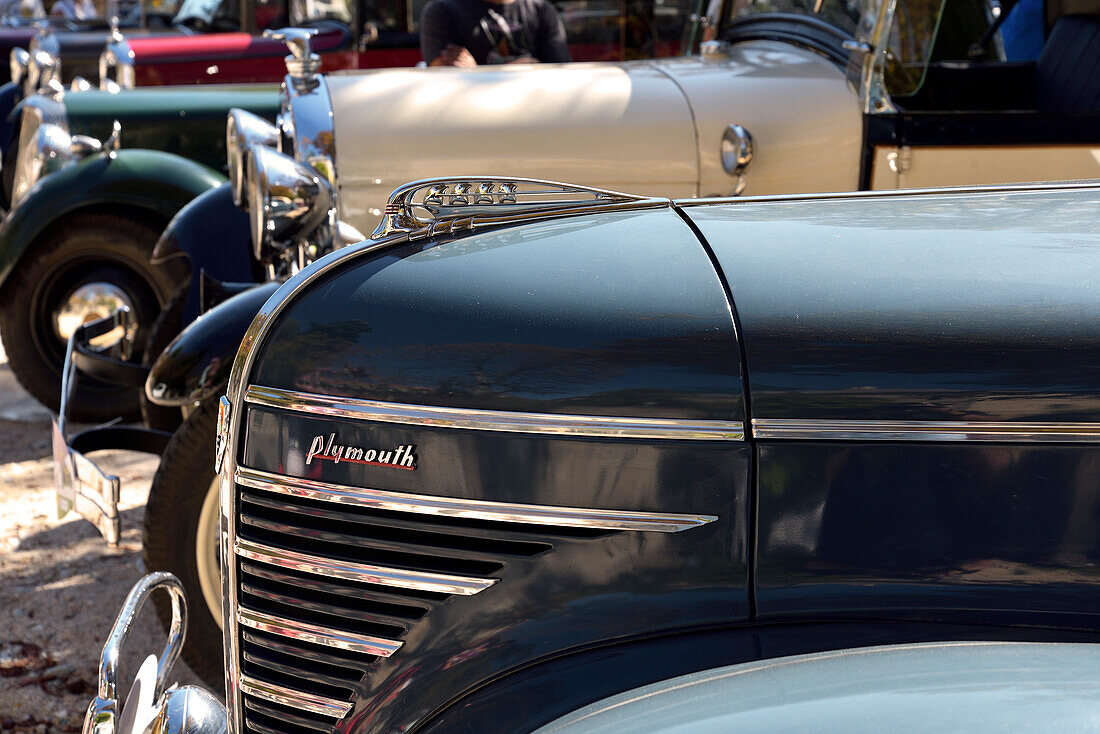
pixel 152 705
pixel 79 483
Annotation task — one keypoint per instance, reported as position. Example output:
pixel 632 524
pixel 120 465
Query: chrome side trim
pixel 318 635
pixel 575 517
pixel 496 420
pixel 294 699
pixel 854 430
pixel 361 572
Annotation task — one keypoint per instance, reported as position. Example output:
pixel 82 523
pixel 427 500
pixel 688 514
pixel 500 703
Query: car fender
pixel 148 182
pixel 11 95
pixel 213 234
pixel 195 366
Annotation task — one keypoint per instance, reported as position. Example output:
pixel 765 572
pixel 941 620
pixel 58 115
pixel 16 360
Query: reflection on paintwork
pixel 553 322
pixel 922 308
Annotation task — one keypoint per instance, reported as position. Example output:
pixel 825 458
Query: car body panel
pixel 618 126
pixel 938 687
pixel 620 365
pixel 920 311
pixel 227 58
pixel 195 366
pixel 185 122
pixel 805 121
pixel 928 166
pixel 142 180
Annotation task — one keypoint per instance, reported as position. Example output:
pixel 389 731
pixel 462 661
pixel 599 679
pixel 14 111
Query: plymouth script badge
pixel 397 457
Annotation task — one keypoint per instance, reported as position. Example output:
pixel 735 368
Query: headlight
pixel 46 149
pixel 287 200
pixel 18 60
pixel 244 129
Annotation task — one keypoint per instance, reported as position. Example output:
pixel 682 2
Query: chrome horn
pixel 244 129
pixel 287 200
pixel 173 710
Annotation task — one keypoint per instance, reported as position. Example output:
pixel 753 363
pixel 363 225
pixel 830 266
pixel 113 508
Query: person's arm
pixel 552 44
pixel 439 45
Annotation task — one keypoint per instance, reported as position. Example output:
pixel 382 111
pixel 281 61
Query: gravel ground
pixel 60 585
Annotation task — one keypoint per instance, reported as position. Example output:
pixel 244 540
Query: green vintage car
pixel 85 213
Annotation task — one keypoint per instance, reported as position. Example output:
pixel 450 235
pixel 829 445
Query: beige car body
pixel 652 127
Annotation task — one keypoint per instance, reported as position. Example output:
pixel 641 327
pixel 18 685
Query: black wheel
pixel 180 535
pixel 78 271
pixel 166 328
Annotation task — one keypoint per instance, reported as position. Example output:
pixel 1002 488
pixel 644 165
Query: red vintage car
pixel 223 42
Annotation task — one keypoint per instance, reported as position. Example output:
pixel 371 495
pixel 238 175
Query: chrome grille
pixel 325 588
pixel 330 578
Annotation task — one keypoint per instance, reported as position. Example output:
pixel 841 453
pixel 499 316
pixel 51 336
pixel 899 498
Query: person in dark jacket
pixel 473 32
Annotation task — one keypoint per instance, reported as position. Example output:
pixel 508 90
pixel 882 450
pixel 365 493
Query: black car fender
pixel 212 234
pixel 196 365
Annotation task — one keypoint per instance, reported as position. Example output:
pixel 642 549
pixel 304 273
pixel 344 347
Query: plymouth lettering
pixel 401 457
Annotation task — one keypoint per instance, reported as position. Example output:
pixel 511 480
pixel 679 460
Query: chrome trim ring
pixel 312 703
pixel 496 420
pixel 855 430
pixel 363 573
pixel 574 517
pixel 328 637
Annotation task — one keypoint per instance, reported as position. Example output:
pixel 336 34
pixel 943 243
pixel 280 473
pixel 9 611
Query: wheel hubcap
pixel 206 553
pixel 89 302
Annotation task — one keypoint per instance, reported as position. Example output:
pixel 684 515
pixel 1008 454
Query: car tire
pixel 87 248
pixel 166 328
pixel 180 535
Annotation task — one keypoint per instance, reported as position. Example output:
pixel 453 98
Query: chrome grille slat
pixel 256 656
pixel 361 572
pixel 325 656
pixel 407 546
pixel 473 509
pixel 252 590
pixel 403 604
pixel 316 634
pixel 285 716
pixel 391 533
pixel 312 703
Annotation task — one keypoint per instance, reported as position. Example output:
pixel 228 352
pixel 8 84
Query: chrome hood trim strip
pixel 495 420
pixel 854 430
pixel 316 634
pixel 361 572
pixel 295 699
pixel 575 517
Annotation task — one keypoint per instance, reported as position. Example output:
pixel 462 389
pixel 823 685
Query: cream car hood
pixel 642 127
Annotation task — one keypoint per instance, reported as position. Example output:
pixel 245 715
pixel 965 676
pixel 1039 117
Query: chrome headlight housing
pixel 242 130
pixel 47 148
pixel 44 142
pixel 287 201
pixel 18 60
pixel 119 57
pixel 43 63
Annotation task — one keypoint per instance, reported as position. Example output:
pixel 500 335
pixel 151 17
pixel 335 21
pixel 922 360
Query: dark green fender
pixel 144 182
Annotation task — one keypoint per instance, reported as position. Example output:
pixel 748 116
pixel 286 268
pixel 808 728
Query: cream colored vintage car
pixel 790 96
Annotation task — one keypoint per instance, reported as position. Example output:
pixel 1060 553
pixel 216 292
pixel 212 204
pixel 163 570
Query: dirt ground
pixel 60 585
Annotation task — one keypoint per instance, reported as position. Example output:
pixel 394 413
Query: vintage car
pixel 535 444
pixel 679 127
pixel 85 215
